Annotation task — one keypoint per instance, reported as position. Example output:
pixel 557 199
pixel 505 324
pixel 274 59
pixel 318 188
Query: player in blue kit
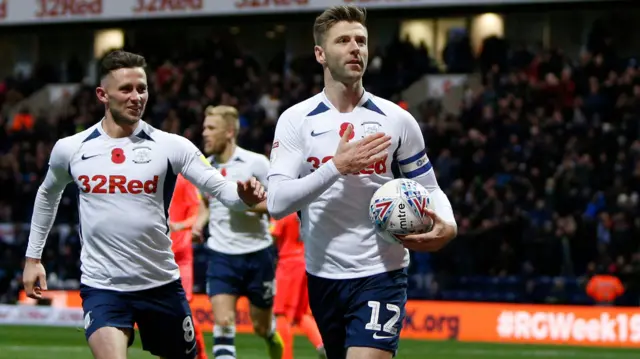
pixel 331 152
pixel 125 171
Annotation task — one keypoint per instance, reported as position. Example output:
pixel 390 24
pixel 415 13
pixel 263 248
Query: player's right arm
pixel 44 214
pixel 202 219
pixel 287 192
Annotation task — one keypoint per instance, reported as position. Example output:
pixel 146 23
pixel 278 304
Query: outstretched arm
pixel 189 161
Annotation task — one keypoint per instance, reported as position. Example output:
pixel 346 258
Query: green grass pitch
pixel 19 342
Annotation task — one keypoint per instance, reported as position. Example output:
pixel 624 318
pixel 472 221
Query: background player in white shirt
pixel 357 281
pixel 242 256
pixel 125 171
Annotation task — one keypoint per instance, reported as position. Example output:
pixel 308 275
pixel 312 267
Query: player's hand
pixel 440 234
pixel 353 157
pixel 251 192
pixel 175 227
pixel 34 278
pixel 196 235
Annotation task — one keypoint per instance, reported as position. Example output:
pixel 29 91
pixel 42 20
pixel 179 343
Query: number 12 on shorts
pixel 374 322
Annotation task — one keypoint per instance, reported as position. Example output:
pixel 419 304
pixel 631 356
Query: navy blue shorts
pixel 251 275
pixel 359 312
pixel 162 314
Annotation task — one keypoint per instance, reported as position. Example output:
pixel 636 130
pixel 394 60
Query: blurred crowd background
pixel 535 137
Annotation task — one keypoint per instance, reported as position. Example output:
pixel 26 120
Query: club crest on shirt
pixel 370 128
pixel 142 155
pixel 272 155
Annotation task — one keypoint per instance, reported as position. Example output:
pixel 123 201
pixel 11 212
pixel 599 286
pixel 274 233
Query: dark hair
pixel 334 15
pixel 120 59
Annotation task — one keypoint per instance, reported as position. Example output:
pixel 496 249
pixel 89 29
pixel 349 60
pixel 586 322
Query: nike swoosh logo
pixel 376 336
pixel 85 157
pixel 314 133
pixel 190 350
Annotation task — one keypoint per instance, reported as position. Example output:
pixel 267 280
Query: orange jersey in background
pixel 291 303
pixel 292 299
pixel 286 233
pixel 184 208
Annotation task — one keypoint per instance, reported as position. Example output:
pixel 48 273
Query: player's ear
pixel 101 94
pixel 319 52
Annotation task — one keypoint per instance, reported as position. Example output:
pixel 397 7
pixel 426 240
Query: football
pixel 400 207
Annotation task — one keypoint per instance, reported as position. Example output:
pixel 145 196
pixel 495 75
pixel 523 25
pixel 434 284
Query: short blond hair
pixel 228 113
pixel 334 15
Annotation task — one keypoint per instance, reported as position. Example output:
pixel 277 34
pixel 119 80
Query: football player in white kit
pixel 125 171
pixel 357 281
pixel 242 257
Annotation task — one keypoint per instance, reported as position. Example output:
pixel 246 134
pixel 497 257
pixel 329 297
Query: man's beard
pixel 215 151
pixel 340 73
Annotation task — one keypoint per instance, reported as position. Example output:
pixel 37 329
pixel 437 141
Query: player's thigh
pixel 165 322
pixel 376 311
pixel 106 309
pixel 225 274
pixel 368 353
pixel 224 309
pixel 292 294
pixel 260 284
pixel 186 278
pixel 302 307
pixel 110 343
pixel 327 300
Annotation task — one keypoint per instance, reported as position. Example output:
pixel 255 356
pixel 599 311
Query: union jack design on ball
pixel 381 209
pixel 418 201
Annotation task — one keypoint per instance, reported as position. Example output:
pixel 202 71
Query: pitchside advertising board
pixel 462 321
pixel 21 12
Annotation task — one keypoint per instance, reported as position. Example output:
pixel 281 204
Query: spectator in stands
pixel 604 289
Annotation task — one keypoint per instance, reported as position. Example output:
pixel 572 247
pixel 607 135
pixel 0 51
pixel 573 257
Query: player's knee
pixel 261 329
pixel 110 342
pixel 285 318
pixel 225 320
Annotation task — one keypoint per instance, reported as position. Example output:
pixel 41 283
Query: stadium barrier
pixel 426 320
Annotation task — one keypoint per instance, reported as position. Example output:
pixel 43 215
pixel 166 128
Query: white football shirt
pixel 125 187
pixel 340 240
pixel 234 232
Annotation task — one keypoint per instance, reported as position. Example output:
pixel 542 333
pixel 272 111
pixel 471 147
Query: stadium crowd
pixel 542 165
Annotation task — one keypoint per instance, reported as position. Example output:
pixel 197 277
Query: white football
pixel 400 207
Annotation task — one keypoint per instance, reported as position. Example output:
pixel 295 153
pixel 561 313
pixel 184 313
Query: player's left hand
pixel 251 192
pixel 440 234
pixel 176 227
pixel 196 235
